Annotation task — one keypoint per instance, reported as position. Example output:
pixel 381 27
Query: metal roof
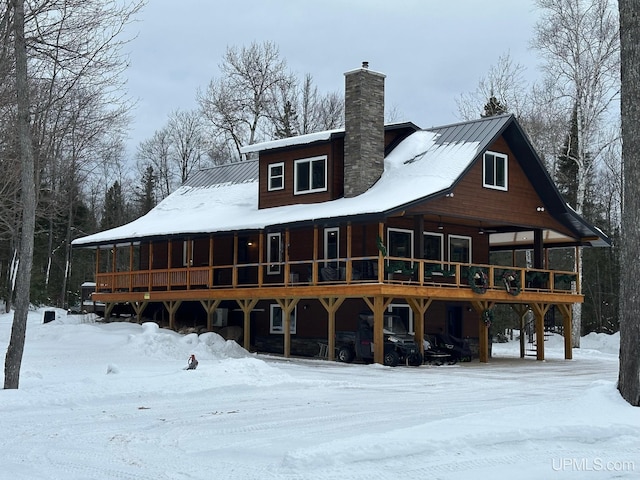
pixel 482 131
pixel 228 174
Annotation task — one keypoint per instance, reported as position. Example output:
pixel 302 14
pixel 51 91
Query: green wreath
pixel 511 281
pixel 478 280
pixel 487 317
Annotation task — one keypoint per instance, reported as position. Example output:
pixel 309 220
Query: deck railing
pixel 355 270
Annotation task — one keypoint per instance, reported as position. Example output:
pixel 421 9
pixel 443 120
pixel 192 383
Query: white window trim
pixel 410 328
pixel 506 171
pixel 187 253
pixel 402 230
pixel 273 264
pixel 470 246
pixel 270 177
pixel 327 231
pixel 295 175
pixel 280 329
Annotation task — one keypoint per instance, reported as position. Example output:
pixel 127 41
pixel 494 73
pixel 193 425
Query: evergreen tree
pixel 144 196
pixel 115 209
pixel 493 107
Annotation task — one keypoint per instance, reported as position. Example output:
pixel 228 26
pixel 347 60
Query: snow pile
pixel 113 400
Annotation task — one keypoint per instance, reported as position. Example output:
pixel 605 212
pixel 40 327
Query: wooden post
pixel 349 269
pixel 139 307
pixel 483 329
pixel 172 308
pixel 521 310
pixel 539 311
pixel 419 307
pixel 246 305
pixel 378 306
pixel 169 264
pixel 210 307
pixel 380 256
pixel 567 312
pixel 131 267
pixel 331 305
pixel 260 258
pixel 150 279
pixel 234 271
pixel 287 267
pixel 211 277
pixel 314 266
pixel 287 305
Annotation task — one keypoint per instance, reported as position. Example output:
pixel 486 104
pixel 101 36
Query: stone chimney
pixel 364 129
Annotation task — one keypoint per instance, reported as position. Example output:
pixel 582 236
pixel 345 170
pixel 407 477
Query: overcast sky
pixel 431 51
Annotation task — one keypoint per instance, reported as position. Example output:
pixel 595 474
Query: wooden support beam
pixel 234 271
pixel 331 305
pixel 567 317
pixel 172 308
pixel 539 310
pixel 131 266
pixel 521 310
pixel 260 258
pixel 211 278
pixel 314 265
pixel 150 280
pixel 380 256
pixel 349 268
pixel 210 307
pixel 483 329
pixel 246 305
pixel 378 305
pixel 138 308
pixel 287 305
pixel 108 308
pixel 419 306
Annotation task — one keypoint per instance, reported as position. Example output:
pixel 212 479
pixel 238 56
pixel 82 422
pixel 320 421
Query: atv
pixel 399 345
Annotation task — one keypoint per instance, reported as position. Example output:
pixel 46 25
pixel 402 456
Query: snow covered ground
pixel 112 401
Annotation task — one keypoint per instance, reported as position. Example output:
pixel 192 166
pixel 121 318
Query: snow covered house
pixel 436 225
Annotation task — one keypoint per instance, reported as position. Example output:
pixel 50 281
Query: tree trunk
pixel 629 375
pixel 15 349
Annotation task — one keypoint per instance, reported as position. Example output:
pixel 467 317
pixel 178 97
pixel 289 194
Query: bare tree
pixel 185 132
pixel 505 81
pixel 71 52
pixel 156 152
pixel 629 373
pixel 13 359
pixel 579 41
pixel 238 103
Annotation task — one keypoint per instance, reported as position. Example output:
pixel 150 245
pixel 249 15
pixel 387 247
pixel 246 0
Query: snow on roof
pixel 420 166
pixel 291 141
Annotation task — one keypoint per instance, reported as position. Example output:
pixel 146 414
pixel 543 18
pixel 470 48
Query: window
pixel 433 246
pixel 400 244
pixel 310 175
pixel 495 171
pixel 274 253
pixel 276 176
pixel 331 246
pixel 277 320
pixel 403 311
pixel 459 249
pixel 187 253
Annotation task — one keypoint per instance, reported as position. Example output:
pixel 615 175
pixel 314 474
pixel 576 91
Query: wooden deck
pixel 418 282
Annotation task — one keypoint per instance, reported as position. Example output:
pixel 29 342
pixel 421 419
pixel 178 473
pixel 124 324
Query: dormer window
pixel 276 176
pixel 495 171
pixel 310 175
